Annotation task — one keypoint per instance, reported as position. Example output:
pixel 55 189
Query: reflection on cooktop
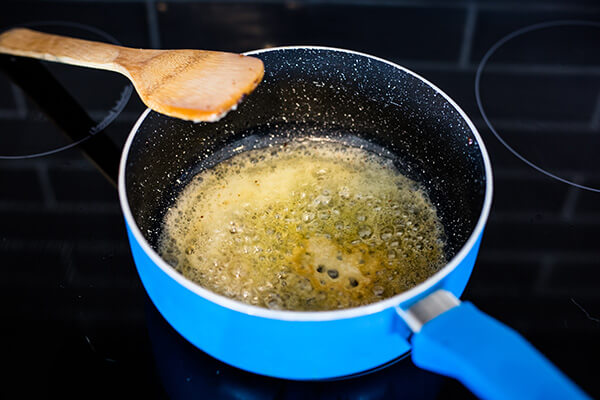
pixel 186 371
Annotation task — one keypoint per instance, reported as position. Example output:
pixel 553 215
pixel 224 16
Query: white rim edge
pixel 314 315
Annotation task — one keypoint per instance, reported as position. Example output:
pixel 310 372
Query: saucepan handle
pixel 492 360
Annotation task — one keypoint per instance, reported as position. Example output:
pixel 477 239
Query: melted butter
pixel 310 225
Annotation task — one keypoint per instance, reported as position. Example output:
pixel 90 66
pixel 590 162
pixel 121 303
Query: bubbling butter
pixel 305 225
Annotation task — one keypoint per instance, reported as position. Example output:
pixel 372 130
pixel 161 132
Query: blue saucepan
pixel 334 93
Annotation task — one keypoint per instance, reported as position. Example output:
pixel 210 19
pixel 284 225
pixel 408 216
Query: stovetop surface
pixel 76 319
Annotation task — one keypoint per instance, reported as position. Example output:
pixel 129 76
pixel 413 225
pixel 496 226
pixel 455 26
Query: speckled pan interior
pixel 326 93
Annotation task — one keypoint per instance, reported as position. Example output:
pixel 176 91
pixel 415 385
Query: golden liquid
pixel 310 225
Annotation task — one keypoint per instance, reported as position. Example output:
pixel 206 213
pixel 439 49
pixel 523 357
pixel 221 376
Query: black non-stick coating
pixel 326 93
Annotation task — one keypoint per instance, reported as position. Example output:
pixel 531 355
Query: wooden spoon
pixel 194 85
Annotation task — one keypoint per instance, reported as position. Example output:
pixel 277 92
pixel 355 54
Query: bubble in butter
pixel 309 225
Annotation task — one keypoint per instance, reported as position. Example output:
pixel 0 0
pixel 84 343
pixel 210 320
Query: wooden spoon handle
pixel 27 43
pixel 196 85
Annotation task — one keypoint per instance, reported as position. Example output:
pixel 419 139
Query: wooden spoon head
pixel 193 85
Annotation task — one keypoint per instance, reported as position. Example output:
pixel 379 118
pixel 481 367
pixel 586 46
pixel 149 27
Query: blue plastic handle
pixel 489 358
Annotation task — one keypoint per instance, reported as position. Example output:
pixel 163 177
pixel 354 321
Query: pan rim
pixel 330 315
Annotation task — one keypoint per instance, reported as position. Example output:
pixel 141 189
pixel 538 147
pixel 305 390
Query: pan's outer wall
pixel 375 101
pixel 299 350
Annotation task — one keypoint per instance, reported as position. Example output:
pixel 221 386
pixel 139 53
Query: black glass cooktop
pixel 76 320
